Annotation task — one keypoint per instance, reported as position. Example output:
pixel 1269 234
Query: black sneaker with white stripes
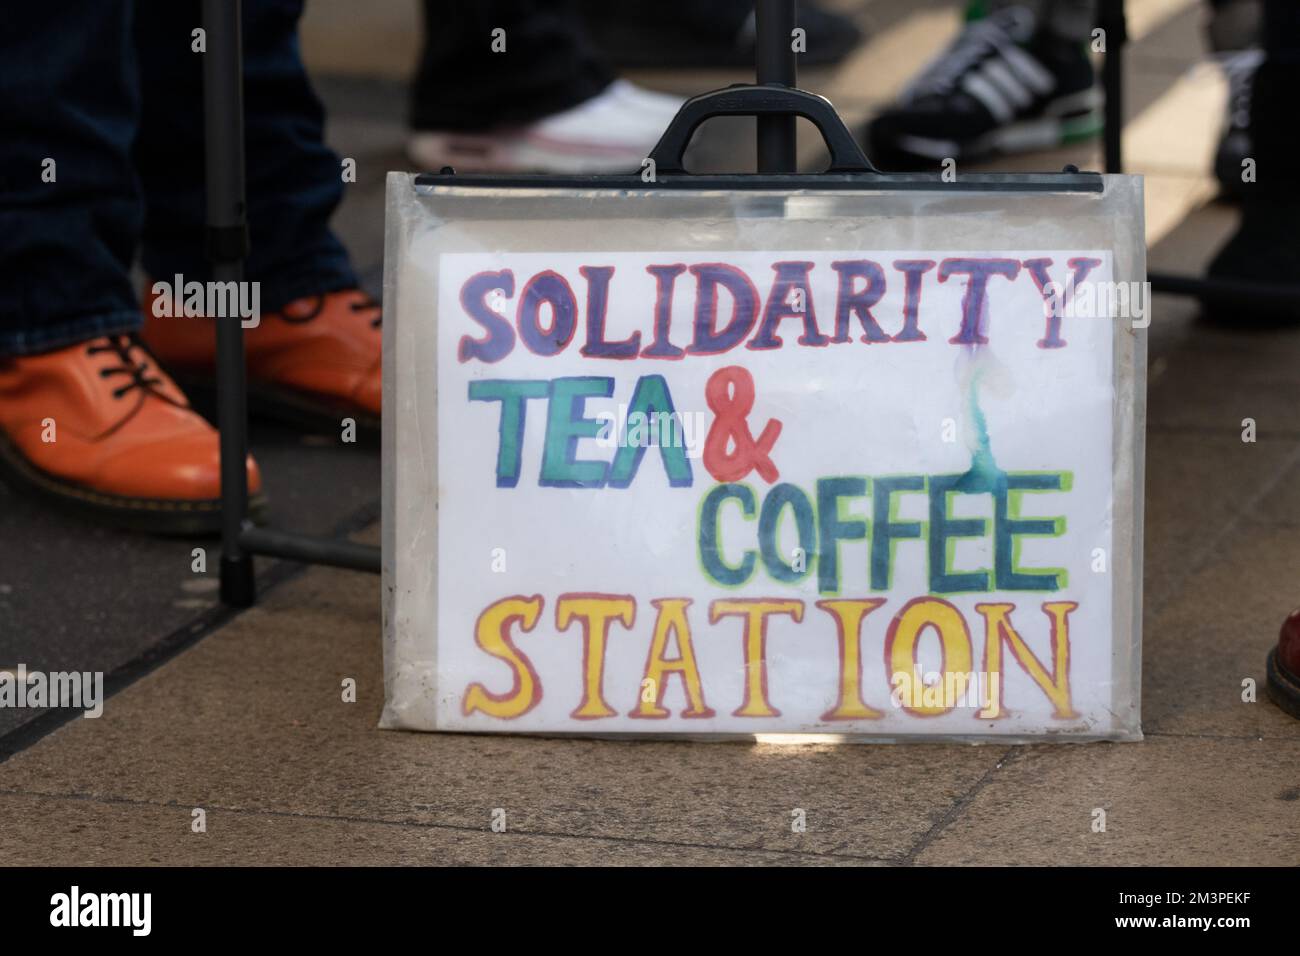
pixel 1001 87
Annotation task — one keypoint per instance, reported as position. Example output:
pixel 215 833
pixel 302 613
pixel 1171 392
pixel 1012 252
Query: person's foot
pixel 312 364
pixel 1284 667
pixel 612 132
pixel 101 430
pixel 1002 86
pixel 1236 144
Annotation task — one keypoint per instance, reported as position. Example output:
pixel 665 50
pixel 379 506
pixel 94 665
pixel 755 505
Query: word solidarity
pixel 546 316
pixel 593 615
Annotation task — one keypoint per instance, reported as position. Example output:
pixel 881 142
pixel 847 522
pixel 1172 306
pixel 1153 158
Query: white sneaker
pixel 612 132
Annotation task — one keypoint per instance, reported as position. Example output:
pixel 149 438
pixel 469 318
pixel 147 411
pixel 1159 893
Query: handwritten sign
pixel 808 489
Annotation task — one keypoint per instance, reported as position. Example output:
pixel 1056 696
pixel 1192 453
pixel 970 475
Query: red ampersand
pixel 730 393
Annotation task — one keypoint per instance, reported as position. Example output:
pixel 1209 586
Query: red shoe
pixel 312 364
pixel 1284 666
pixel 100 429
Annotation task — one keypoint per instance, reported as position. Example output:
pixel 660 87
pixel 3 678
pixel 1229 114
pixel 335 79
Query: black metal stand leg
pixel 774 62
pixel 1112 21
pixel 227 241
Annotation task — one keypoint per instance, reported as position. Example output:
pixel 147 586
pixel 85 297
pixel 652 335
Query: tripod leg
pixel 1111 20
pixel 227 243
pixel 774 62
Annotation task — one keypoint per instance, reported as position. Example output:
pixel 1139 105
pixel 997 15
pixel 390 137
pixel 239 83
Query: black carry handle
pixel 750 100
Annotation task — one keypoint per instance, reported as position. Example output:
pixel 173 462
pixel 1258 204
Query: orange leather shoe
pixel 312 364
pixel 101 429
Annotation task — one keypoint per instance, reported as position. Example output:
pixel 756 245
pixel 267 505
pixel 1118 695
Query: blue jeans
pixel 101 152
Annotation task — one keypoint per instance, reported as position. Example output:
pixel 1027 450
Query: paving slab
pixel 1197 92
pixel 1164 30
pixel 1215 633
pixel 1280 505
pixel 82 832
pixel 252 719
pixel 1226 378
pixel 1183 801
pixel 1199 487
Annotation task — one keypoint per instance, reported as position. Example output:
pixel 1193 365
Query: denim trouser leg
pixel 69 198
pixel 77 90
pixel 294 181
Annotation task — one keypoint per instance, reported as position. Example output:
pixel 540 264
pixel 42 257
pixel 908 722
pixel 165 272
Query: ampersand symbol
pixel 730 393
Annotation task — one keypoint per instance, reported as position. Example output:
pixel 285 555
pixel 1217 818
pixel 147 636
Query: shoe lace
pixel 362 304
pixel 122 346
pixel 977 41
